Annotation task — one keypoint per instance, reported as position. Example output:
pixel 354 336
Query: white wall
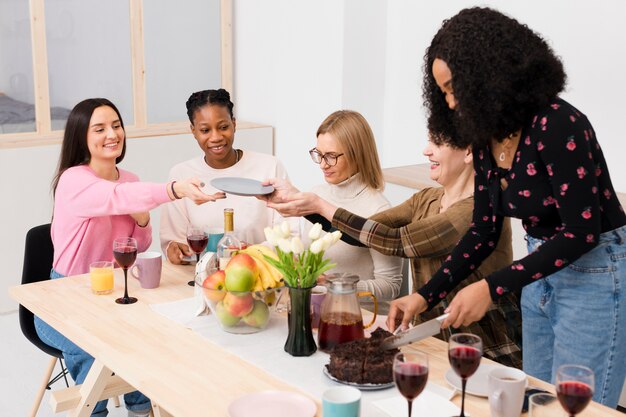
pixel 295 62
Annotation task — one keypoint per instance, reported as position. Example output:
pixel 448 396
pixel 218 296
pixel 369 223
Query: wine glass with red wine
pixel 574 387
pixel 410 373
pixel 125 253
pixel 464 353
pixel 197 238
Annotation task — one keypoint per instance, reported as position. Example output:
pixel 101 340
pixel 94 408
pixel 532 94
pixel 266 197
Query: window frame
pixel 44 135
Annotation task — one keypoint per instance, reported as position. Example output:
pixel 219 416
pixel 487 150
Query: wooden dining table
pixel 185 374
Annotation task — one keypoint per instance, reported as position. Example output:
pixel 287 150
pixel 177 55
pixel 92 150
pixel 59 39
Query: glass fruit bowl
pixel 240 312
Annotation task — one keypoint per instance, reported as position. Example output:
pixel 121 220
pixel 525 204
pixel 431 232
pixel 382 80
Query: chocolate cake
pixel 362 361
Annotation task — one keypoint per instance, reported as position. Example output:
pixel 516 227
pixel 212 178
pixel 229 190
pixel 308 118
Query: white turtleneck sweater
pixel 380 274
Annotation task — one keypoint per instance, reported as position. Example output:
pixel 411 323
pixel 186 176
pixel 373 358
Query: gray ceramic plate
pixel 241 186
pixel 364 387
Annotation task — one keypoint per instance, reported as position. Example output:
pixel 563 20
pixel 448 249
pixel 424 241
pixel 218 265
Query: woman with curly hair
pixel 494 84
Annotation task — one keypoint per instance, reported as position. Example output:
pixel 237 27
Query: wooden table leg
pixel 159 412
pixel 91 389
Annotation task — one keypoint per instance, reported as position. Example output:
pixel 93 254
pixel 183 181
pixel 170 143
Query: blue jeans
pixel 79 362
pixel 578 316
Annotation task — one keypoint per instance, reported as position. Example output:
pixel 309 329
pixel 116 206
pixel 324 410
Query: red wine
pixel 410 379
pixel 574 396
pixel 198 242
pixel 464 360
pixel 125 256
pixel 337 328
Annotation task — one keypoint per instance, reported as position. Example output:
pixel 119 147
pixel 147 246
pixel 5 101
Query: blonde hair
pixel 357 140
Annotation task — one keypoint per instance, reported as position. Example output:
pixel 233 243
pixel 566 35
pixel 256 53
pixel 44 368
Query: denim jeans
pixel 578 316
pixel 79 362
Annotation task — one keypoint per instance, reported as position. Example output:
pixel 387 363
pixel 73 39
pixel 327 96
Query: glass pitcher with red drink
pixel 340 315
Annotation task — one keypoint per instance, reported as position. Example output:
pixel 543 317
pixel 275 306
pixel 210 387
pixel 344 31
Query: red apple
pixel 238 305
pixel 241 273
pixel 225 318
pixel 259 316
pixel 215 284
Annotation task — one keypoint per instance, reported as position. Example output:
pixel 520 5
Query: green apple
pixel 242 272
pixel 259 316
pixel 238 305
pixel 227 319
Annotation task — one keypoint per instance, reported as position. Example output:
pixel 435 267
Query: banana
pixel 269 275
pixel 258 284
pixel 265 275
pixel 265 251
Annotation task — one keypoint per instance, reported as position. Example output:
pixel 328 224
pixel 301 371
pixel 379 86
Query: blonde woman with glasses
pixel 347 156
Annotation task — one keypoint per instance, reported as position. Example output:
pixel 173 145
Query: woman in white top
pixel 346 153
pixel 213 126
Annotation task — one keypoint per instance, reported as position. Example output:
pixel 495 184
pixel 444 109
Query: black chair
pixel 38 255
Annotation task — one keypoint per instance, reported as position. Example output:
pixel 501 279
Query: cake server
pixel 419 332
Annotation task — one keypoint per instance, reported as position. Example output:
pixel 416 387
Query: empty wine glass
pixel 197 238
pixel 410 373
pixel 574 387
pixel 464 353
pixel 125 253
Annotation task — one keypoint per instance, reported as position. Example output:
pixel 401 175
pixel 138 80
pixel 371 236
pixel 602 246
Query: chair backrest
pixel 38 256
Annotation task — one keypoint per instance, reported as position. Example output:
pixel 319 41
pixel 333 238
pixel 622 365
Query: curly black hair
pixel 502 72
pixel 202 98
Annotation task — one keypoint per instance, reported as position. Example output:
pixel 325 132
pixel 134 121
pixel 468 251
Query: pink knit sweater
pixel 90 212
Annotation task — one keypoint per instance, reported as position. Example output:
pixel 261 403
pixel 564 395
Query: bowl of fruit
pixel 243 295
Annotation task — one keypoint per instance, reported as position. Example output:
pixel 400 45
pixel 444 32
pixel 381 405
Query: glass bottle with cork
pixel 229 242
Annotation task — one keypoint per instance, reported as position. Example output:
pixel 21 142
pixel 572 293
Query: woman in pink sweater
pixel 94 203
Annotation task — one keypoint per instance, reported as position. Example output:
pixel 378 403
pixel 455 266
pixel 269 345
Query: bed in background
pixel 18 116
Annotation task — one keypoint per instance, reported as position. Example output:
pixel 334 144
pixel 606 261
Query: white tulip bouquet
pixel 300 266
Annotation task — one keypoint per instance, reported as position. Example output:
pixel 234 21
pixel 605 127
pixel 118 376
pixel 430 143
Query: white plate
pixel 241 186
pixel 272 404
pixel 364 387
pixel 477 384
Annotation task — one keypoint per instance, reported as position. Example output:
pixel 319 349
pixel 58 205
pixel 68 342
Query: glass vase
pixel 300 341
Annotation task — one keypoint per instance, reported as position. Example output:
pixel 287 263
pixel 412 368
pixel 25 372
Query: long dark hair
pixel 199 99
pixel 74 150
pixel 502 73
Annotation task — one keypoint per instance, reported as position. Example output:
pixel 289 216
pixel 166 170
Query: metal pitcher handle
pixel 369 294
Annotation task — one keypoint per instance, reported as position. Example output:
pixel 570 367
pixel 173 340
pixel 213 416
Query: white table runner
pixel 265 349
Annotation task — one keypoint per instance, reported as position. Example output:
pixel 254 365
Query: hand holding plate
pixel 191 189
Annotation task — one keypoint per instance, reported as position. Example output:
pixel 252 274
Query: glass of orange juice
pixel 101 274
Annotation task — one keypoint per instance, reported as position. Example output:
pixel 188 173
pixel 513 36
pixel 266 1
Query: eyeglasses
pixel 330 158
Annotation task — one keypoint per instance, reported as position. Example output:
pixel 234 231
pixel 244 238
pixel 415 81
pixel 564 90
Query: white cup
pixel 506 387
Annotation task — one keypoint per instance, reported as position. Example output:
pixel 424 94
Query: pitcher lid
pixel 343 282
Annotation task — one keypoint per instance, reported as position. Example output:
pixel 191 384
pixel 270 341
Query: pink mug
pixel 147 269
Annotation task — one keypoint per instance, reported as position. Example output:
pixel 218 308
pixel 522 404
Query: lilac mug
pixel 147 269
pixel 317 296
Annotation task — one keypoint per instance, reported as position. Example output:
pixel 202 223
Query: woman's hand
pixel 191 189
pixel 469 305
pixel 297 204
pixel 282 190
pixel 321 280
pixel 404 309
pixel 142 219
pixel 176 253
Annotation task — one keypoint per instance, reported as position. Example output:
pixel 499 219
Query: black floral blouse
pixel 558 185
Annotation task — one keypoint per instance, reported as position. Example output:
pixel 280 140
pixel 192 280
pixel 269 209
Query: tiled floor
pixel 23 366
